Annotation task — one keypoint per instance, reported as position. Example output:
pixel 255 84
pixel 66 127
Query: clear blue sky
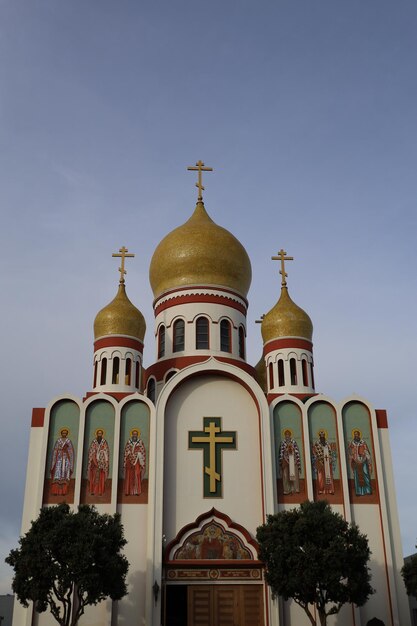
pixel 306 110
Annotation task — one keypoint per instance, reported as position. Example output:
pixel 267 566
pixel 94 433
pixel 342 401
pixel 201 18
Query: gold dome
pixel 200 253
pixel 120 317
pixel 286 319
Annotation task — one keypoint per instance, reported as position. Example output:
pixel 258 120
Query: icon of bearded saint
pixel 134 464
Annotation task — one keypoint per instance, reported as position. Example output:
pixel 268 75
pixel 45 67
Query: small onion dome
pixel 120 317
pixel 200 253
pixel 286 319
pixel 260 374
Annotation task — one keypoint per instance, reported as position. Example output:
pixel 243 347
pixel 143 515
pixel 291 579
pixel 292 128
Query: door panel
pixel 225 605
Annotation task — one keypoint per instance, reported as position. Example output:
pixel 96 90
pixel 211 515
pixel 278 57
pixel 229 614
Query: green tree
pixel 68 560
pixel 409 574
pixel 315 557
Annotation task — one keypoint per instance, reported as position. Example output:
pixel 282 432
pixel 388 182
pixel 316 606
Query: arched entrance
pixel 212 576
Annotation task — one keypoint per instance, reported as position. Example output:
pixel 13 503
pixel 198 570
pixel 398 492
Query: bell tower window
pixel 161 342
pixel 202 334
pixel 179 335
pixel 225 336
pixel 241 342
pixel 103 374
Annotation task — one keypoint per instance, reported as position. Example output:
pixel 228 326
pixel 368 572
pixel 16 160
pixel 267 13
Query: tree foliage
pixel 315 557
pixel 68 560
pixel 409 574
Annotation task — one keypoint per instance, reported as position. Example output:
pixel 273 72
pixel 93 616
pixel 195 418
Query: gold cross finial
pixel 282 257
pixel 123 254
pixel 200 168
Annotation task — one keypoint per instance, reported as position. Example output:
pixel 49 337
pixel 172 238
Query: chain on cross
pixel 282 257
pixel 200 168
pixel 123 254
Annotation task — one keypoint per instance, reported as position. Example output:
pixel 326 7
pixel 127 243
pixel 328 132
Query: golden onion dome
pixel 120 317
pixel 200 253
pixel 286 319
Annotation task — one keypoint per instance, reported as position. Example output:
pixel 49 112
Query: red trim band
pixel 160 368
pixel 114 341
pixel 213 298
pixel 288 342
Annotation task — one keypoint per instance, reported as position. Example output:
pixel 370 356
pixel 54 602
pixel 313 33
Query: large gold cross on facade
pixel 123 254
pixel 282 257
pixel 200 168
pixel 212 440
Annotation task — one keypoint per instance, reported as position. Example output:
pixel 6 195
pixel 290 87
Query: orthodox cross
pixel 200 168
pixel 282 257
pixel 123 254
pixel 212 440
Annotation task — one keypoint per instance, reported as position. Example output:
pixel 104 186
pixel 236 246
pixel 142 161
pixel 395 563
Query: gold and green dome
pixel 200 253
pixel 120 317
pixel 286 319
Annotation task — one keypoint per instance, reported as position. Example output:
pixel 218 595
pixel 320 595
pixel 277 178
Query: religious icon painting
pixel 98 453
pixel 327 484
pixel 289 452
pixel 59 485
pixel 134 454
pixel 212 440
pixel 360 459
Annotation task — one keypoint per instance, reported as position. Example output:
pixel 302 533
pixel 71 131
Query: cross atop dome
pixel 282 257
pixel 199 167
pixel 123 254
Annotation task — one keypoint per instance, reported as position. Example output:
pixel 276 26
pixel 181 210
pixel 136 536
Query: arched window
pixel 271 376
pixel 151 389
pixel 241 342
pixel 137 374
pixel 161 342
pixel 305 374
pixel 116 369
pixel 202 333
pixel 312 375
pixel 103 374
pixel 293 371
pixel 128 371
pixel 95 375
pixel 170 375
pixel 225 336
pixel 281 378
pixel 178 340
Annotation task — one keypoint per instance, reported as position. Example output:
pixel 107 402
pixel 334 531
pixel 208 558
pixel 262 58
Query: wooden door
pixel 225 605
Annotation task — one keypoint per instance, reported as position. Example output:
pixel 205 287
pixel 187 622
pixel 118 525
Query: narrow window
pixel 151 389
pixel 161 342
pixel 225 336
pixel 281 378
pixel 202 334
pixel 293 371
pixel 305 374
pixel 128 373
pixel 103 375
pixel 271 376
pixel 95 375
pixel 137 374
pixel 241 342
pixel 312 375
pixel 116 370
pixel 179 330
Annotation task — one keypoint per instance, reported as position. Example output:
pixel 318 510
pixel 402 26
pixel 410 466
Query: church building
pixel 197 446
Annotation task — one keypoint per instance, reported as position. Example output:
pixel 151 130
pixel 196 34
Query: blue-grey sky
pixel 306 110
